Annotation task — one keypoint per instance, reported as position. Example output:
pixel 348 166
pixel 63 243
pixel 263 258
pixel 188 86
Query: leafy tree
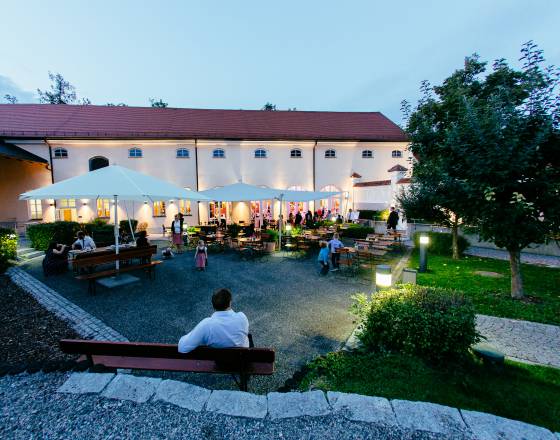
pixel 487 146
pixel 269 107
pixel 11 98
pixel 159 103
pixel 61 92
pixel 120 104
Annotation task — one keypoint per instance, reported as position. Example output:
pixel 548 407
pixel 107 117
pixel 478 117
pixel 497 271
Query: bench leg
pixel 243 382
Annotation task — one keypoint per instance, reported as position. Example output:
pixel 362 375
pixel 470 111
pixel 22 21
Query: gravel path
pixel 498 254
pixel 522 340
pixel 24 414
pixel 289 306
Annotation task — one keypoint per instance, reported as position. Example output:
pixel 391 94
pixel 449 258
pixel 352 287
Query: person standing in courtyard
pixel 393 220
pixel 177 234
pixel 323 258
pixel 224 329
pixel 201 255
pixel 298 219
pixel 334 245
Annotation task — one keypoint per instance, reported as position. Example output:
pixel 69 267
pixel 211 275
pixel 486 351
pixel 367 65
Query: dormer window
pixel 60 153
pixel 396 153
pixel 135 152
pixel 330 154
pixel 367 154
pixel 218 153
pixel 182 153
pixel 260 153
pixel 295 153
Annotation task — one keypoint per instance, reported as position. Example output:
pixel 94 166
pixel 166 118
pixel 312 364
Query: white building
pixel 363 155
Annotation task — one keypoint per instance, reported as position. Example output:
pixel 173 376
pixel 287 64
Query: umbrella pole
pixel 280 224
pixel 116 234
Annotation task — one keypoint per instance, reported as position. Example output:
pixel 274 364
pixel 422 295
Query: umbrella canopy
pixel 243 192
pixel 113 181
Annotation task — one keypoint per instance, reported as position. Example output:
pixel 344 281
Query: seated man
pixel 85 241
pixel 224 329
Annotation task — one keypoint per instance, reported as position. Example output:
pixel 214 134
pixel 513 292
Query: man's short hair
pixel 81 234
pixel 221 300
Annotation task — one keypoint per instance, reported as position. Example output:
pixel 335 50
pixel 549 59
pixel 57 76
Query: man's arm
pixel 195 338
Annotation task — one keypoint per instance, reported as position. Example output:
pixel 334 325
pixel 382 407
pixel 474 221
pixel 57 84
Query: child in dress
pixel 201 255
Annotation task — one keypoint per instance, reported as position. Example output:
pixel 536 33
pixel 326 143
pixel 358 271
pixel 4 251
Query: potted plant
pixel 270 238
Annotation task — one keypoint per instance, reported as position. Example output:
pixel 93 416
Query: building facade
pixel 203 149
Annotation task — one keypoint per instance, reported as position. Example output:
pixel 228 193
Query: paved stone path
pixel 522 340
pixel 311 414
pixel 86 325
pixel 544 260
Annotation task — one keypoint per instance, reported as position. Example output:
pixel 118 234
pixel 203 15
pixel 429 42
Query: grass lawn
pixel 491 296
pixel 521 392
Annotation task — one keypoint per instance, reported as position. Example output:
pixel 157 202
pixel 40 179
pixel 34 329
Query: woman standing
pixel 177 233
pixel 201 255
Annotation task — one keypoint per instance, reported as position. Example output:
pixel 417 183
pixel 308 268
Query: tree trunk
pixel 455 240
pixel 516 278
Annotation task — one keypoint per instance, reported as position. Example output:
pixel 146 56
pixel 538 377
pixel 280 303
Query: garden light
pixel 424 241
pixel 288 227
pixel 383 276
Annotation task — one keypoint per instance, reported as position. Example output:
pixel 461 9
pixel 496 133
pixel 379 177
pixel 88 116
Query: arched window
pixel 330 154
pixel 60 153
pixel 396 153
pixel 367 154
pixel 296 152
pixel 260 153
pixel 182 153
pixel 218 153
pixel 98 162
pixel 135 152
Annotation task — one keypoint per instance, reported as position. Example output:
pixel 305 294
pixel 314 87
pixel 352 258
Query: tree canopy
pixel 61 92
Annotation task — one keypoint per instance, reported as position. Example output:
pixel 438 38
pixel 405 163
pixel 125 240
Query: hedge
pixel 441 242
pixel 433 323
pixel 8 247
pixel 357 231
pixel 42 234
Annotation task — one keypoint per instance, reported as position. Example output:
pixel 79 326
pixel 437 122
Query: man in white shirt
pixel 224 329
pixel 83 242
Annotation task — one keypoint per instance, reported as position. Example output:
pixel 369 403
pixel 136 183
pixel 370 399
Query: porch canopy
pixel 243 192
pixel 113 182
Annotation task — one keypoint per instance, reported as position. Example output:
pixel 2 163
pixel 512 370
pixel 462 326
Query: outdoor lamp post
pixel 424 241
pixel 383 276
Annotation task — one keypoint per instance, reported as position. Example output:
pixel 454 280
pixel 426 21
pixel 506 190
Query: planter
pixel 270 246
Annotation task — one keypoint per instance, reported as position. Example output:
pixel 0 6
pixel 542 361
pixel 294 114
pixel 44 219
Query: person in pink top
pixel 201 255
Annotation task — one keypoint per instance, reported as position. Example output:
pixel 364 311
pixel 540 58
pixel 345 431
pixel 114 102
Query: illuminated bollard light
pixel 383 276
pixel 424 241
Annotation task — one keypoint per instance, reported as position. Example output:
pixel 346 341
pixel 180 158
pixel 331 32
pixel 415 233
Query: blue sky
pixel 313 55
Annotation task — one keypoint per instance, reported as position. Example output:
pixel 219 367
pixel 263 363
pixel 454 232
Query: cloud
pixel 7 86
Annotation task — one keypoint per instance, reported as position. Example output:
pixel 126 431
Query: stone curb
pixel 86 325
pixel 401 414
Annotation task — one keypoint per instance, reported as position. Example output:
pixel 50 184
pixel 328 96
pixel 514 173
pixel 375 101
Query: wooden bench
pixel 245 362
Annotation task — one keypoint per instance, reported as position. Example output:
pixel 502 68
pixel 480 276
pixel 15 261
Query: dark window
pixel 98 162
pixel 135 152
pixel 218 153
pixel 329 154
pixel 183 153
pixel 296 152
pixel 60 153
pixel 367 154
pixel 260 153
pixel 396 153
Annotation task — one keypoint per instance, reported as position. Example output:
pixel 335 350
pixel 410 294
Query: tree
pixel 487 149
pixel 269 107
pixel 10 98
pixel 61 92
pixel 158 104
pixel 120 104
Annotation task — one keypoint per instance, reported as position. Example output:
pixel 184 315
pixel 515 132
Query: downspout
pixel 50 161
pixel 196 174
pixel 314 184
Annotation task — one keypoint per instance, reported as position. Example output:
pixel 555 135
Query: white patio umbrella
pixel 113 182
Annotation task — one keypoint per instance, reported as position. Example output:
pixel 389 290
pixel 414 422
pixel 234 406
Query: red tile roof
pixel 356 175
pixel 404 180
pixel 78 121
pixel 397 168
pixel 373 183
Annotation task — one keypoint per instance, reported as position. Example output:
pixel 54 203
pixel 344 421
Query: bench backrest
pixel 86 259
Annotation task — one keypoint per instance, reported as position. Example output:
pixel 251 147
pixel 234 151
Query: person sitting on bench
pixel 85 241
pixel 224 329
pixel 56 259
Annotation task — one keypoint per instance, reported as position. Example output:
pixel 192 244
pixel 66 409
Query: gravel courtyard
pixel 290 308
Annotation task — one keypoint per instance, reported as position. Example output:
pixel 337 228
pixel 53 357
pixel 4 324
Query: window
pixel 218 153
pixel 367 154
pixel 329 154
pixel 35 210
pixel 260 153
pixel 60 153
pixel 296 152
pixel 183 153
pixel 159 209
pixel 135 152
pixel 98 162
pixel 396 153
pixel 103 209
pixel 185 207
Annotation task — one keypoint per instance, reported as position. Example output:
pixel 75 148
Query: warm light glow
pixel 288 227
pixel 424 239
pixel 383 276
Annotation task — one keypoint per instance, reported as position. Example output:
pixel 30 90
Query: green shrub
pixel 234 229
pixel 123 224
pixel 296 231
pixel 441 242
pixel 42 234
pixel 433 323
pixel 357 231
pixel 368 214
pixel 8 247
pixel 101 233
pixel 271 235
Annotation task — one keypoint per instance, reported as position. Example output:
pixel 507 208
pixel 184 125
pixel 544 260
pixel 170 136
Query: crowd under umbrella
pixel 117 183
pixel 244 192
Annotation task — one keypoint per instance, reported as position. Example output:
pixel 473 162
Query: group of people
pixel 330 248
pixel 310 218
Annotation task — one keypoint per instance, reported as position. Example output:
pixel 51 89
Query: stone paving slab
pixel 310 403
pixel 134 388
pixel 182 394
pixel 363 408
pixel 430 417
pixel 237 403
pixel 83 383
pixel 491 427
